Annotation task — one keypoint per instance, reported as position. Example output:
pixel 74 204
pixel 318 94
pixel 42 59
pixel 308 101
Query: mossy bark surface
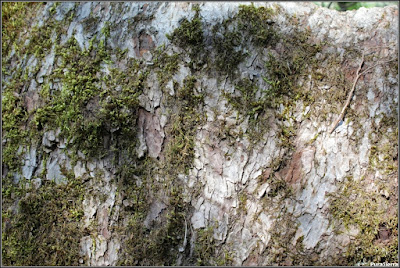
pixel 185 133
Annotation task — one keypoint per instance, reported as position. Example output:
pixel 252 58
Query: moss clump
pixel 232 37
pixel 189 35
pixel 368 212
pixel 384 151
pixel 257 23
pixel 119 109
pixel 15 17
pixel 206 250
pixel 247 102
pixel 87 114
pixel 47 227
pixel 14 126
pixel 157 244
pixel 167 65
pixel 67 109
pixel 94 118
pixel 15 117
pixel 205 247
pixel 282 248
pixel 228 49
pixel 250 103
pixel 179 151
pixel 284 73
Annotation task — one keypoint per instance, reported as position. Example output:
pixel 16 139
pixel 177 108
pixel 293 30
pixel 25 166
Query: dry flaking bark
pixel 184 133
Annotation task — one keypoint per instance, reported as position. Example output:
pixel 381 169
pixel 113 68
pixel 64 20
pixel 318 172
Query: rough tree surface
pixel 198 134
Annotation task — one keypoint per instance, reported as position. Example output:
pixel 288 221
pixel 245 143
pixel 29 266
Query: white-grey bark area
pixel 188 134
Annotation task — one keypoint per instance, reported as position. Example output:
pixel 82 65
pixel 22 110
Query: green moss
pixel 106 29
pixel 367 212
pixel 98 116
pixel 47 227
pixel 14 118
pixel 189 35
pixel 167 65
pixel 15 18
pixel 157 245
pixel 282 248
pixel 247 102
pixel 313 139
pixel 53 8
pixel 206 251
pixel 86 114
pixel 258 24
pixel 231 37
pixel 243 203
pixel 179 151
pixel 227 48
pixel 66 109
pixel 384 150
pixel 284 72
pixel 90 113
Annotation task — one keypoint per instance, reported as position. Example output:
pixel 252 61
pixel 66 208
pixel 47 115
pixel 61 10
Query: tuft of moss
pixel 46 228
pixel 367 212
pixel 227 47
pixel 284 71
pixel 167 65
pixel 257 23
pixel 206 251
pixel 157 245
pixel 383 155
pixel 15 17
pixel 179 151
pixel 232 37
pixel 189 35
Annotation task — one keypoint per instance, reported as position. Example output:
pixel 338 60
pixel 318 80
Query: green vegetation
pixel 15 133
pixel 46 227
pixel 368 212
pixel 206 251
pixel 343 6
pixel 384 151
pixel 15 17
pixel 205 247
pixel 157 245
pixel 93 118
pixel 95 105
pixel 281 249
pixel 284 73
pixel 187 116
pixel 189 35
pixel 231 36
pixel 167 65
pixel 256 23
pixel 67 109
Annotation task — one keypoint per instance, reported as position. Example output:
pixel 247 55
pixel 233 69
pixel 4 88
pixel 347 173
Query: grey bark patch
pixel 155 210
pixel 54 171
pixel 63 10
pixel 198 220
pixel 30 164
pixel 84 11
pixel 151 132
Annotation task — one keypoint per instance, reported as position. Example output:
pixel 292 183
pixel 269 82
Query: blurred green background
pixel 343 6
